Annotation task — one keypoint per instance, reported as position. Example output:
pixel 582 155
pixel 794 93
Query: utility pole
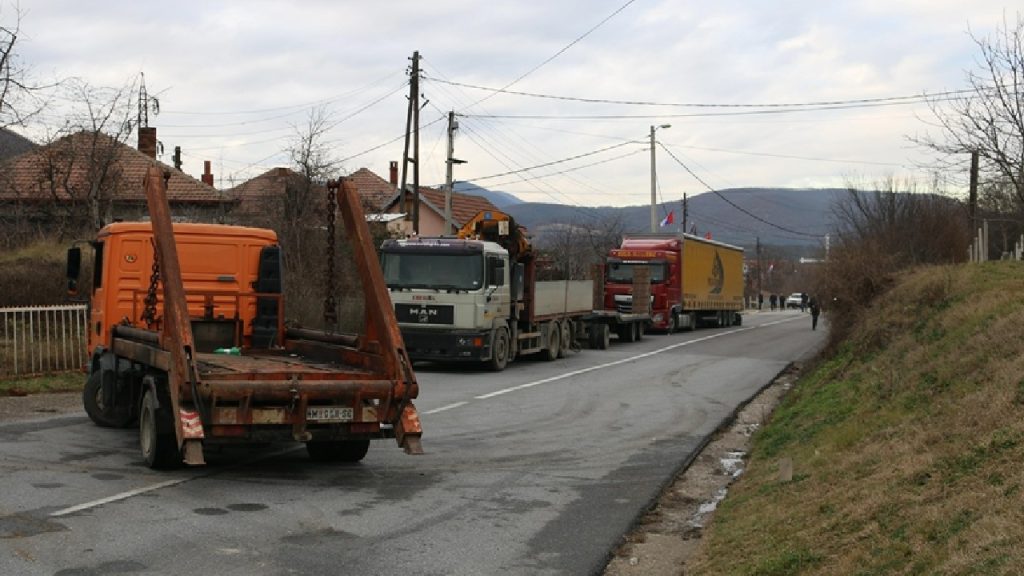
pixel 453 125
pixel 413 104
pixel 759 292
pixel 686 211
pixel 973 198
pixel 415 86
pixel 654 181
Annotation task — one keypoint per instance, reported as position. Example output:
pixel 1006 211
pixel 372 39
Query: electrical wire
pixel 557 54
pixel 924 97
pixel 730 202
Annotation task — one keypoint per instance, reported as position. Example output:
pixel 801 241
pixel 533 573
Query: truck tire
pixel 156 431
pixel 603 338
pixel 640 331
pixel 566 339
pixel 499 350
pixel 338 450
pixel 92 399
pixel 554 342
pixel 627 332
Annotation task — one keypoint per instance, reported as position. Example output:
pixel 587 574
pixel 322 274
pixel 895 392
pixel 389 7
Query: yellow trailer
pixel 711 281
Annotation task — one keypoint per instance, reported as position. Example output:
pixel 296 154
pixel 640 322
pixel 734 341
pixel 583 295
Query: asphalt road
pixel 536 470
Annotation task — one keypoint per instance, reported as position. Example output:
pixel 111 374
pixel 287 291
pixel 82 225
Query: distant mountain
pixel 776 216
pixel 12 144
pixel 499 199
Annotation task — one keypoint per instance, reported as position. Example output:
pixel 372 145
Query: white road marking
pixel 623 361
pixel 448 407
pixel 118 497
pixel 166 484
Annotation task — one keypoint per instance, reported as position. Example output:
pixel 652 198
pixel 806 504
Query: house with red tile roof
pixel 91 178
pixel 464 207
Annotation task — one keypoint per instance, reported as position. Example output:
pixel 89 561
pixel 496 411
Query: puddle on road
pixel 26 524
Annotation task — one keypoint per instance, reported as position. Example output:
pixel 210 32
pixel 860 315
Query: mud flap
pixel 408 430
pixel 192 433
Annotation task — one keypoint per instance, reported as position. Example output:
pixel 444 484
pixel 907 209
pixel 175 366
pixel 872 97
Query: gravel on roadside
pixel 34 406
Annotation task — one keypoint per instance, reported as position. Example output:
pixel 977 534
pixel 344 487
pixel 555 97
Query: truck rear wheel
pixel 627 332
pixel 499 350
pixel 566 341
pixel 156 432
pixel 92 399
pixel 338 450
pixel 601 337
pixel 639 331
pixel 554 342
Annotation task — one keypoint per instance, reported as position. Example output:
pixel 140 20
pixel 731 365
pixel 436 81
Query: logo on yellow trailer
pixel 717 279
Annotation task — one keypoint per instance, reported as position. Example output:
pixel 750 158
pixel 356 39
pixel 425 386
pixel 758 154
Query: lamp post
pixel 654 181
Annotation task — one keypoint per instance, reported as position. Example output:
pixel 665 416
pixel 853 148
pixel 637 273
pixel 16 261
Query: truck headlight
pixel 659 317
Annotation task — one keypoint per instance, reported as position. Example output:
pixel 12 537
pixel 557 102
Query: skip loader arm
pixel 176 329
pixel 381 323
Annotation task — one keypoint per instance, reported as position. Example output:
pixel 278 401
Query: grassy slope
pixel 906 446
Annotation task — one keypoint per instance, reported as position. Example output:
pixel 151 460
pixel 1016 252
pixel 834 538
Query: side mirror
pixel 74 269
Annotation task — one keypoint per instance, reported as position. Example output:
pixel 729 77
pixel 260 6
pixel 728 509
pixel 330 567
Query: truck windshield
pixel 620 272
pixel 432 270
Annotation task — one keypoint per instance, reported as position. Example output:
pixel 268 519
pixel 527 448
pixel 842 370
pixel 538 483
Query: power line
pixel 767 111
pixel 553 162
pixel 924 97
pixel 557 54
pixel 567 170
pixel 730 202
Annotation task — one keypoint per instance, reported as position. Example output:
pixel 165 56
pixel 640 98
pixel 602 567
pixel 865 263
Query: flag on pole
pixel 668 219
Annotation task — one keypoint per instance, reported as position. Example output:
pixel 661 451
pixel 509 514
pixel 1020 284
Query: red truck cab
pixel 661 254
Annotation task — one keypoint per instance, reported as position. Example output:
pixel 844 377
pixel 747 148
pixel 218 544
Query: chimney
pixel 207 175
pixel 394 172
pixel 147 141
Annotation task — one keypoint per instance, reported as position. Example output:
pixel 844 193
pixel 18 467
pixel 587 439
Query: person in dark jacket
pixel 815 311
pixel 803 301
pixel 772 300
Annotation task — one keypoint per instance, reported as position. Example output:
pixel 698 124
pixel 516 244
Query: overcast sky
pixel 236 79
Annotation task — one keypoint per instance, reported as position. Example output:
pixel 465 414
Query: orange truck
pixel 187 338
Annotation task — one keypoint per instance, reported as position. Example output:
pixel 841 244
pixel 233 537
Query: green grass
pixel 907 443
pixel 63 382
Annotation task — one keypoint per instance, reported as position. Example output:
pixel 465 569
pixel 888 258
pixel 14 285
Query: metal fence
pixel 42 339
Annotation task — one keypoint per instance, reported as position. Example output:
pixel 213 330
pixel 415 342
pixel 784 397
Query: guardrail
pixel 42 339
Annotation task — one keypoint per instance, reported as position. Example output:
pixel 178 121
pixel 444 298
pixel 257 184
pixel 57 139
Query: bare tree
pixel 880 232
pixel 81 166
pixel 20 97
pixel 989 118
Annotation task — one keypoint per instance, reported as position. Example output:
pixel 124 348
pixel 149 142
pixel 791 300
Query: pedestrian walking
pixel 803 301
pixel 772 300
pixel 815 311
pixel 760 300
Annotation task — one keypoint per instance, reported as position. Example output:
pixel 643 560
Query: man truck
pixel 187 338
pixel 475 297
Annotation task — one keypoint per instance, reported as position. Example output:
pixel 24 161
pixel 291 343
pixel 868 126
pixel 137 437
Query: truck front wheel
pixel 156 432
pixel 99 413
pixel 499 350
pixel 338 450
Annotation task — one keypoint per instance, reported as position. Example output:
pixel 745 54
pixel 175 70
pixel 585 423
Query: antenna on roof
pixel 146 103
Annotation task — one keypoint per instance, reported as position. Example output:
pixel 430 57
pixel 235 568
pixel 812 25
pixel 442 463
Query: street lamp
pixel 654 181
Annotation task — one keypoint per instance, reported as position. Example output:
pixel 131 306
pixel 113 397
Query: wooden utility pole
pixel 413 105
pixel 686 209
pixel 973 199
pixel 415 86
pixel 453 125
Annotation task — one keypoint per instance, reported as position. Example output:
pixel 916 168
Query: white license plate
pixel 328 414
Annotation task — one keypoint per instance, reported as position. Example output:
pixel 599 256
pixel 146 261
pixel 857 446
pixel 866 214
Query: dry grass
pixel 906 445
